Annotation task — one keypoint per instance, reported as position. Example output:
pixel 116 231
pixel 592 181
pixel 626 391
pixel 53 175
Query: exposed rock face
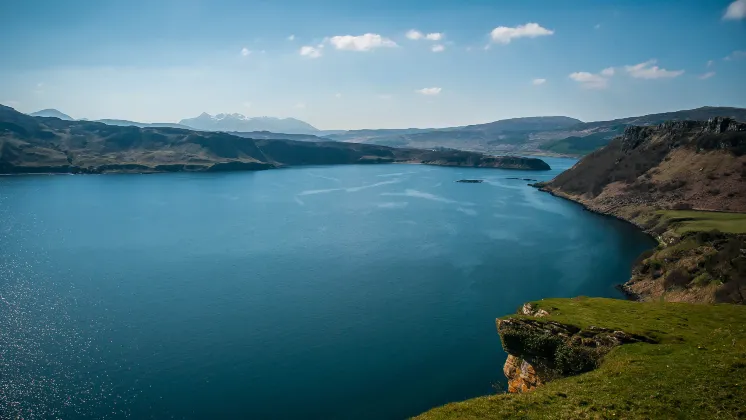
pixel 540 351
pixel 522 377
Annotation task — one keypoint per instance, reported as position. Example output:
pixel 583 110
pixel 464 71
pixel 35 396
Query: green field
pixel 696 371
pixel 690 220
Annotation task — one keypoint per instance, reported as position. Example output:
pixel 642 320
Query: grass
pixel 682 221
pixel 697 370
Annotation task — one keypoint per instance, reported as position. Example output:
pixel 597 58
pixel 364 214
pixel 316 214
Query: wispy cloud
pixel 245 52
pixel 416 35
pixel 648 70
pixel 590 80
pixel 608 72
pixel 710 63
pixel 538 82
pixel 736 10
pixel 707 75
pixel 438 48
pixel 735 55
pixel 505 34
pixel 429 91
pixel 300 105
pixel 291 38
pixel 310 52
pixel 365 42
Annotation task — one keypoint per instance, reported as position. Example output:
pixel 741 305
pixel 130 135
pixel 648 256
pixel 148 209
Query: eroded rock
pixel 540 350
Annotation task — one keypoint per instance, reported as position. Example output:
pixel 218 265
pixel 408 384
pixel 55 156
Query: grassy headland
pixel 696 370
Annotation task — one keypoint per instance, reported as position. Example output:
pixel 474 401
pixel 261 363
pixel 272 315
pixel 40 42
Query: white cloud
pixel 736 10
pixel 707 75
pixel 608 72
pixel 414 34
pixel 291 38
pixel 245 51
pixel 300 105
pixel 735 55
pixel 438 48
pixel 648 70
pixel 337 95
pixel 365 42
pixel 537 82
pixel 435 36
pixel 247 104
pixel 504 34
pixel 429 91
pixel 590 80
pixel 310 52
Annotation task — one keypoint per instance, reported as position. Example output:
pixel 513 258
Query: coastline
pixel 623 287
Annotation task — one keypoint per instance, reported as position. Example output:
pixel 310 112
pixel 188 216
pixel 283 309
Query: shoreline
pixel 623 288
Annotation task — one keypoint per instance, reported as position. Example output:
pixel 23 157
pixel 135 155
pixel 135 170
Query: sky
pixel 347 64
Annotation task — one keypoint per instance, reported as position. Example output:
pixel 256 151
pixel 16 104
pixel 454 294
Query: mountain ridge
pixel 241 123
pixel 50 145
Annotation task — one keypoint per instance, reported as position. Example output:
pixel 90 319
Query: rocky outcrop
pixel 542 350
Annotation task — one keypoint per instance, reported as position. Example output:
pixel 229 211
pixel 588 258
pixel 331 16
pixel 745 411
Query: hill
pixel 50 145
pixel 241 123
pixel 531 135
pixel 683 182
pixel 586 137
pixel 615 359
pixel 471 137
pixel 139 124
pixel 52 113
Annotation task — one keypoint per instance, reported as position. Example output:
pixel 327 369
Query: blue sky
pixel 470 61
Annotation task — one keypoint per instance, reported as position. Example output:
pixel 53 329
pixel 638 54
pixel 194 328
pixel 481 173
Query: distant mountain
pixel 531 135
pixel 50 145
pixel 125 123
pixel 241 123
pixel 52 113
pixel 488 137
pixel 587 137
pixel 270 135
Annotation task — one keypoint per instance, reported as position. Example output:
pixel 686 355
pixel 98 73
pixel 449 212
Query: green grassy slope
pixel 682 221
pixel 696 371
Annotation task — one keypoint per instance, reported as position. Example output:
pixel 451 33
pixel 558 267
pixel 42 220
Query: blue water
pixel 342 292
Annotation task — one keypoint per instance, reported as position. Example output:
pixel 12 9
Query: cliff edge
pixel 607 358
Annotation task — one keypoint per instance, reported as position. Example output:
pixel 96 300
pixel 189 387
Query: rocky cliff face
pixel 540 351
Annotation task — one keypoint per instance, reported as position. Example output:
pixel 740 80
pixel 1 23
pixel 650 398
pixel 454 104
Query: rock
pixel 540 351
pixel 471 181
pixel 522 377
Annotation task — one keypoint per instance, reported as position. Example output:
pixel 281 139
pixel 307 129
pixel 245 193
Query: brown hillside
pixel 654 177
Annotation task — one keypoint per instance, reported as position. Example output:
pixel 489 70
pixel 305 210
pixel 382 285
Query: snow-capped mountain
pixel 238 122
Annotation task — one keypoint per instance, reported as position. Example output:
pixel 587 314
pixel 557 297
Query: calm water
pixel 345 292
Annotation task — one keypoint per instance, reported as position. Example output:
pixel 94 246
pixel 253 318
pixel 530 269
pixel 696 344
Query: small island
pixel 471 181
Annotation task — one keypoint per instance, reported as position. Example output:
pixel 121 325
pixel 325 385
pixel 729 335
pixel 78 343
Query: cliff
pixel 52 145
pixel 674 180
pixel 607 358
